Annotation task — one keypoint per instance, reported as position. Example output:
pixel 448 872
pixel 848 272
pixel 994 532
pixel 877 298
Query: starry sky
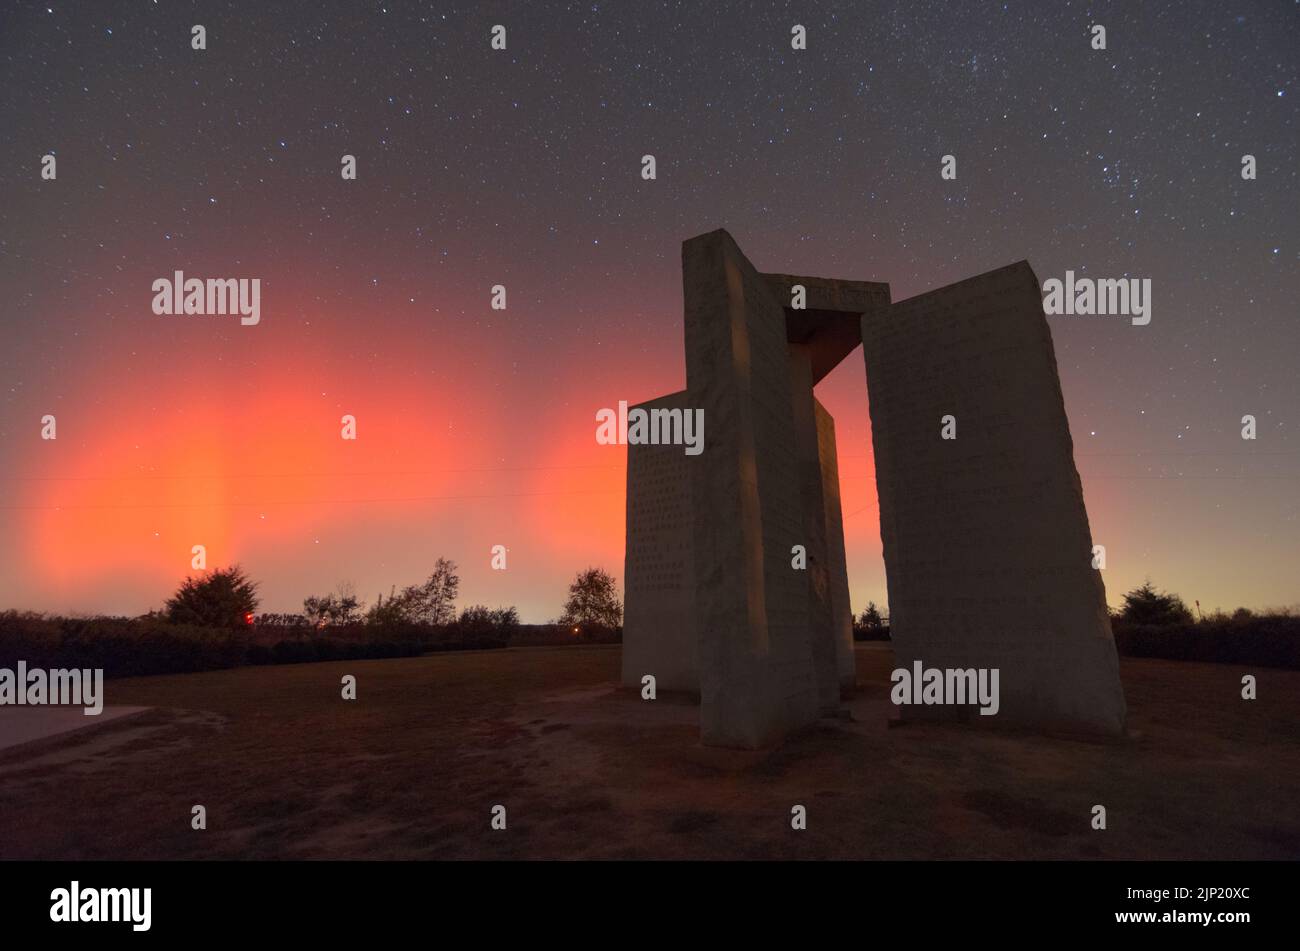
pixel 522 167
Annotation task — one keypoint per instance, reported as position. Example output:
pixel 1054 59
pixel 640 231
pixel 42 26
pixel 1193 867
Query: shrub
pixel 479 622
pixel 225 597
pixel 1146 605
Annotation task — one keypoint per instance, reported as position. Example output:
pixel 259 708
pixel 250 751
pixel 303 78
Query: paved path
pixel 20 725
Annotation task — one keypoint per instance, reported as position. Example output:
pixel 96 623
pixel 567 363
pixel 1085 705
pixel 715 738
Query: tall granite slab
pixel 841 631
pixel 757 678
pixel 659 633
pixel 986 540
pixel 817 570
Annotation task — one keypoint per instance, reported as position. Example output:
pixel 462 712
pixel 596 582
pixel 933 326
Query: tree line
pixel 228 597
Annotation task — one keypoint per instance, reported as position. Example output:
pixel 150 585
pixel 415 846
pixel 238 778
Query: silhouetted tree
pixel 433 602
pixel 386 613
pixel 593 599
pixel 224 597
pixel 1146 605
pixel 871 619
pixel 339 607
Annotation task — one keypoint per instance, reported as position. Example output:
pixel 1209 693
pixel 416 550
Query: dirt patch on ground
pixel 585 769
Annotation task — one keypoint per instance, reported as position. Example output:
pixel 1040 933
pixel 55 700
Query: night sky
pixel 523 168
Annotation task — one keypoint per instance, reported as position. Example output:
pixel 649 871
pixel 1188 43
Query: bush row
pixel 861 633
pixel 126 647
pixel 1265 640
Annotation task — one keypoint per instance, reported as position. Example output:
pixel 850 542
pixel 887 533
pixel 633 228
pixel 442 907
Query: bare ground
pixel 411 769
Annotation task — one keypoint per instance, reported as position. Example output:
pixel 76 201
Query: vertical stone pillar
pixel 986 540
pixel 659 632
pixel 821 625
pixel 841 610
pixel 757 681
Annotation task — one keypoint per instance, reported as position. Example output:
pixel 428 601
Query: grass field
pixel 411 769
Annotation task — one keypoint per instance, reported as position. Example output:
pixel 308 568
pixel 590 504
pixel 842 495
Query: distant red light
pixel 248 618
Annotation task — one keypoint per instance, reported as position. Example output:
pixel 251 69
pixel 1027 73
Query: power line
pixel 295 475
pixel 411 498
